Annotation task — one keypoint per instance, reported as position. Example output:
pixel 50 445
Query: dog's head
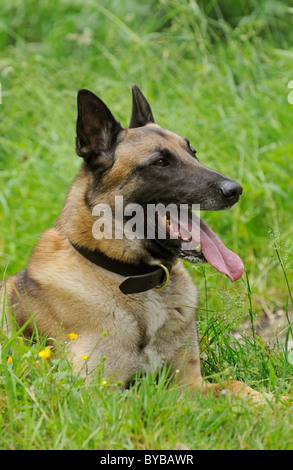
pixel 150 166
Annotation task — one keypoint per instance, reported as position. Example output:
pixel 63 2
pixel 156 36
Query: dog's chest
pixel 160 327
pixel 152 318
pixel 153 327
pixel 143 330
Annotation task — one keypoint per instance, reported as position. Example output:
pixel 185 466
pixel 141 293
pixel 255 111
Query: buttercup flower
pixel 72 336
pixel 45 353
pixel 9 359
pixel 104 382
pixel 84 357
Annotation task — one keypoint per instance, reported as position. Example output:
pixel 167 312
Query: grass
pixel 218 77
pixel 47 406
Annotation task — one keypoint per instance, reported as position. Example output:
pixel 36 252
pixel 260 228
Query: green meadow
pixel 217 72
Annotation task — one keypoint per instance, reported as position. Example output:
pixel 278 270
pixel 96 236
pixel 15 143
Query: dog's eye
pixel 161 162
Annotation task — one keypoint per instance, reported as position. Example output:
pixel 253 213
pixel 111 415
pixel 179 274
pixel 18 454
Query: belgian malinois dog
pixel 134 289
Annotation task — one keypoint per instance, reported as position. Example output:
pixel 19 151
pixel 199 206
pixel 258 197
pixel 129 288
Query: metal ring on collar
pixel 167 274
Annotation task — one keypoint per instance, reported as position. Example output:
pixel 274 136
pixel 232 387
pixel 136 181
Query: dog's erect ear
pixel 96 128
pixel 141 110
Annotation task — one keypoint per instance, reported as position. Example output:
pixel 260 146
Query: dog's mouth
pixel 200 244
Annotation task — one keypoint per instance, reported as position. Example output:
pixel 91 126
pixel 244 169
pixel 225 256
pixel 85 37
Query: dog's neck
pixel 121 256
pixel 137 277
pixel 76 223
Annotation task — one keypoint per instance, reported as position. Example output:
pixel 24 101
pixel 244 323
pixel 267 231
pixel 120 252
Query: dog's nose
pixel 231 189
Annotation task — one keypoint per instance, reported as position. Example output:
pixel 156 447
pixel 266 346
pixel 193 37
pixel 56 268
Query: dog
pixel 128 299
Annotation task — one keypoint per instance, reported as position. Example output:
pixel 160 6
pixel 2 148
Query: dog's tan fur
pixel 67 293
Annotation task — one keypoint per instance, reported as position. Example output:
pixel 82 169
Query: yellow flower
pixel 72 336
pixel 45 353
pixel 9 359
pixel 104 382
pixel 84 357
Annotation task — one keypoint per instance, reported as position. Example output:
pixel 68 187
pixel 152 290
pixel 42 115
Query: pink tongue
pixel 214 250
pixel 218 255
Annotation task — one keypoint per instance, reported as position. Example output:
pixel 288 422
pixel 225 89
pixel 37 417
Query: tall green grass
pixel 216 72
pixel 46 405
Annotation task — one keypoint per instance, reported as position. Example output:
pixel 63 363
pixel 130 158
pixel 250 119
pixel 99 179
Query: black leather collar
pixel 138 277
